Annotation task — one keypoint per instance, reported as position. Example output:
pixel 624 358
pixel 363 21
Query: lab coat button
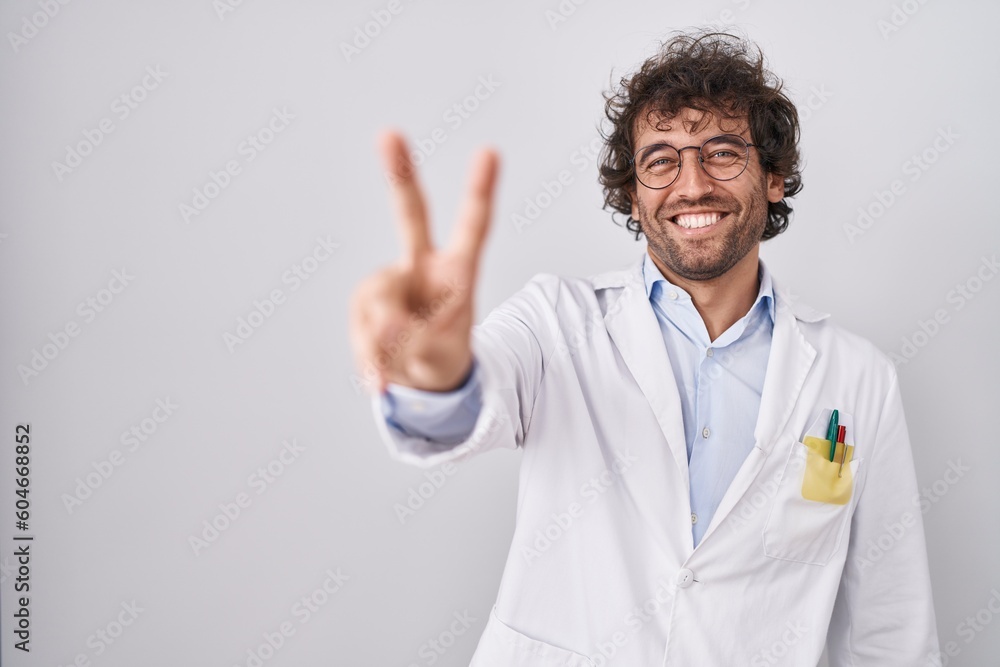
pixel 685 578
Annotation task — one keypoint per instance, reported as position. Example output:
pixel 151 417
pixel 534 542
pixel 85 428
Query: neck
pixel 720 301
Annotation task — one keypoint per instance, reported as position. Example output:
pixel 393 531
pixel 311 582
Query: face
pixel 698 227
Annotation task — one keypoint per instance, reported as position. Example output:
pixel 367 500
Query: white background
pixel 874 100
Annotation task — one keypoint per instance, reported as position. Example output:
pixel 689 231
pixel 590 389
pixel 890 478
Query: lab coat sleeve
pixel 884 615
pixel 511 347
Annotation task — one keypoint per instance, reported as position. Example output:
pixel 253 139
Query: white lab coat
pixel 602 568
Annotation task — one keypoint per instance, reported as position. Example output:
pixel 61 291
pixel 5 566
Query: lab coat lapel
pixel 788 365
pixel 635 331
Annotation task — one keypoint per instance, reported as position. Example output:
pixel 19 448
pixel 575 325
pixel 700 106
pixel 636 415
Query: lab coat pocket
pixel 811 506
pixel 827 481
pixel 503 646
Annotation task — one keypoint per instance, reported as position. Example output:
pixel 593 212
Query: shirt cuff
pixel 447 417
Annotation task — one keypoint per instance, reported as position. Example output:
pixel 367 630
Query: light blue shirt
pixel 719 382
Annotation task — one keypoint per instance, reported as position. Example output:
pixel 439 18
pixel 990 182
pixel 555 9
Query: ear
pixel 635 203
pixel 775 187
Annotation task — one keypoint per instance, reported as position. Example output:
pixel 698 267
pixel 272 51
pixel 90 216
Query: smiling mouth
pixel 697 220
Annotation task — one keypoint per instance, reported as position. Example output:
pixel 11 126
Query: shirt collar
pixel 652 275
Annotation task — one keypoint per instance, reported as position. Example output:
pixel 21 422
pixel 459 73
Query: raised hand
pixel 411 322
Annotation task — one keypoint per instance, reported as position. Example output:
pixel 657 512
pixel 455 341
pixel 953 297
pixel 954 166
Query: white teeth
pixel 696 220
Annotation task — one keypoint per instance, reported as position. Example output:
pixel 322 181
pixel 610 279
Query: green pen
pixel 831 433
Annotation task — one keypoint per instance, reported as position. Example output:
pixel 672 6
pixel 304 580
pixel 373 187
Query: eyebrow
pixel 667 143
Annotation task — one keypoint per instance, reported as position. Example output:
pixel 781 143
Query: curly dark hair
pixel 721 75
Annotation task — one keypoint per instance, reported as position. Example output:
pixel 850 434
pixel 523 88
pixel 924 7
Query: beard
pixel 707 258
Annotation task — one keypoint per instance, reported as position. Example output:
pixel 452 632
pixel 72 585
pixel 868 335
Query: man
pixel 712 473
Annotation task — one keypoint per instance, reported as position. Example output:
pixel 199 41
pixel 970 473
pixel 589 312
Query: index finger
pixel 474 221
pixel 408 200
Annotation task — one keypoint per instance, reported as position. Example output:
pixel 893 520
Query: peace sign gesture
pixel 411 322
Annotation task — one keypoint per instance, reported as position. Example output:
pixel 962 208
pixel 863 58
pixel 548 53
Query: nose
pixel 692 181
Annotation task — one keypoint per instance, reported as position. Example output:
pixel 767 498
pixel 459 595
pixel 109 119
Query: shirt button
pixel 684 578
pixel 705 432
pixel 673 295
pixel 694 518
pixel 417 406
pixel 710 352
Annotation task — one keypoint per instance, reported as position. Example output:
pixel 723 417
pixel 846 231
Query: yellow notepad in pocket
pixel 823 480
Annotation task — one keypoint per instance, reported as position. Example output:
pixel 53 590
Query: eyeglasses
pixel 723 158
